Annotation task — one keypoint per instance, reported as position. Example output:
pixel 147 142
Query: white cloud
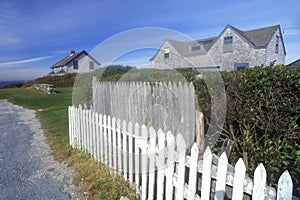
pixel 26 61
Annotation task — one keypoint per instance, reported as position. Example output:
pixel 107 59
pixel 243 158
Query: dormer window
pixel 167 53
pixel 228 44
pixel 196 47
pixel 75 64
pixel 277 44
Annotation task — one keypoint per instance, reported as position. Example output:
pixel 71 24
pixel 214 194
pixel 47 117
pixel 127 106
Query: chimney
pixel 72 52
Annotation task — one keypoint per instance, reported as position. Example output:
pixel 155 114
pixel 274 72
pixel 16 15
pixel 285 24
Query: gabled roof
pixel 296 63
pixel 66 60
pixel 258 38
pixel 184 48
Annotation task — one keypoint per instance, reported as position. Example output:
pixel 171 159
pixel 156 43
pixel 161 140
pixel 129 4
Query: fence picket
pixel 125 157
pixel 206 175
pixel 101 137
pixel 238 181
pixel 285 187
pixel 160 164
pixel 260 177
pixel 105 138
pixel 137 156
pixel 221 177
pixel 97 137
pixel 130 153
pixel 180 144
pixel 170 165
pixel 144 162
pixel 114 143
pixel 151 155
pixel 119 147
pixel 109 142
pixel 193 171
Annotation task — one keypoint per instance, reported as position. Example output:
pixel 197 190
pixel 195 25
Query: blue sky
pixel 36 34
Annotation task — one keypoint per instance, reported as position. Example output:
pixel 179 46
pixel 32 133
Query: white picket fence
pixel 155 163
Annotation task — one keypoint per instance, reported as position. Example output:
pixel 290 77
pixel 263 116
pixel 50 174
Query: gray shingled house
pixel 74 63
pixel 232 49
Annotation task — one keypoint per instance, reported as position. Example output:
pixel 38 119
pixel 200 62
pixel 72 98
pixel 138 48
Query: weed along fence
pixel 156 164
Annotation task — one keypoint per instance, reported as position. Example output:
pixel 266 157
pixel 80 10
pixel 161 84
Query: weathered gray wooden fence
pixel 166 106
pixel 155 163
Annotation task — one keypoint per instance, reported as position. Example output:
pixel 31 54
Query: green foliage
pixel 263 117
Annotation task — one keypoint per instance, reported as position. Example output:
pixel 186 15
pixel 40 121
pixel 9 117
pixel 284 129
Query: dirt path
pixel 27 169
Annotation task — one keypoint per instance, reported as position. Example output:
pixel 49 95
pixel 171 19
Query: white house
pixel 74 63
pixel 232 49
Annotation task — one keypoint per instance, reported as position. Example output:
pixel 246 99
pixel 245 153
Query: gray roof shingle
pixel 259 38
pixel 64 61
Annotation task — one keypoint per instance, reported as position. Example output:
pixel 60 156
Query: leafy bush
pixel 263 117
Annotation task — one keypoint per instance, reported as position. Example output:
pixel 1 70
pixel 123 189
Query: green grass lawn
pixel 52 111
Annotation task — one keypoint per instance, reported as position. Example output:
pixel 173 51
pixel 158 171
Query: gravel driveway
pixel 27 169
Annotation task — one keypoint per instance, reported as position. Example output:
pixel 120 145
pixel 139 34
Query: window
pixel 91 65
pixel 75 64
pixel 240 66
pixel 228 44
pixel 166 53
pixel 277 44
pixel 196 47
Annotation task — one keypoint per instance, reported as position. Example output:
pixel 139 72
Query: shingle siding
pixel 244 51
pixel 271 54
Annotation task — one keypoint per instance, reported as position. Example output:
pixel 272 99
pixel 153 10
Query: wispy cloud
pixel 25 61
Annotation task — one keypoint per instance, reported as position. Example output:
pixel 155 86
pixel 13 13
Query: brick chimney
pixel 72 52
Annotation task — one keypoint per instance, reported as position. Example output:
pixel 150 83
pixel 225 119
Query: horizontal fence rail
pixel 156 164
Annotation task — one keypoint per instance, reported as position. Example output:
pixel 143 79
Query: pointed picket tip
pixel 180 143
pixel 194 148
pixel 285 178
pixel 260 171
pixel 170 137
pixel 207 152
pixel 223 157
pixel 240 164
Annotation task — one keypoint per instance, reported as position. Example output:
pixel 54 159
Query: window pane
pixel 91 65
pixel 166 53
pixel 75 64
pixel 228 44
